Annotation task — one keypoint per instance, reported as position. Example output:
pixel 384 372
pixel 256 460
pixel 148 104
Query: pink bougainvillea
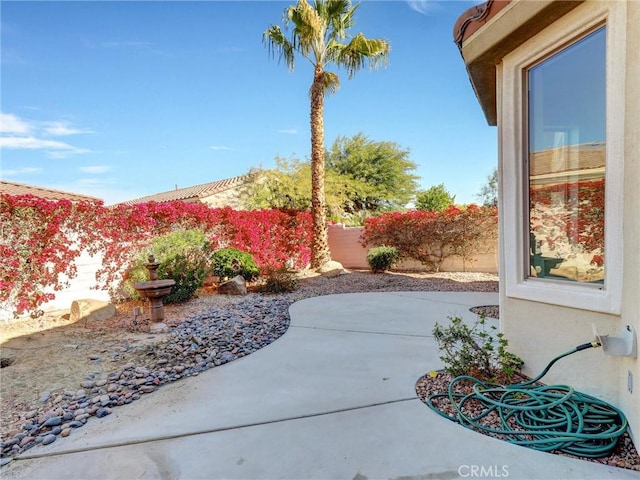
pixel 40 240
pixel 567 217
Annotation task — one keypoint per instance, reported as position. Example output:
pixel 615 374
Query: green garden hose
pixel 542 417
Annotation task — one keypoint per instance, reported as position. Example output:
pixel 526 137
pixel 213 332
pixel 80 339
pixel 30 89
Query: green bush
pixel 436 199
pixel 182 256
pixel 381 259
pixel 473 350
pixel 280 280
pixel 229 262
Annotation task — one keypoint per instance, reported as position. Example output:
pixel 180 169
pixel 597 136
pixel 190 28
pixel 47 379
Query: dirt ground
pixel 51 354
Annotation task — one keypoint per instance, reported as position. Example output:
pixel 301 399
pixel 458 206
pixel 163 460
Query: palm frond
pixel 360 51
pixel 278 43
pixel 308 26
pixel 330 83
pixel 340 15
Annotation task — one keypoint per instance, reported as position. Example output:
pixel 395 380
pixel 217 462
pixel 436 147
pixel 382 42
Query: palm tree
pixel 318 34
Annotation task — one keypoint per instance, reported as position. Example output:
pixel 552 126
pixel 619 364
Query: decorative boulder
pixel 332 269
pixel 91 310
pixel 236 286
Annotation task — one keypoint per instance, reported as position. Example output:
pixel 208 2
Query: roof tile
pixel 15 188
pixel 191 193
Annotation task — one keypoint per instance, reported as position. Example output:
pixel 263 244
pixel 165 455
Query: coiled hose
pixel 542 417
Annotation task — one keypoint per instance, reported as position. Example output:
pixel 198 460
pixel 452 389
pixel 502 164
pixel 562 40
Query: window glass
pixel 566 155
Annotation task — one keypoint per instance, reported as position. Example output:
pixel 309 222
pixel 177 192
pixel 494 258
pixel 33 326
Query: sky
pixel 119 100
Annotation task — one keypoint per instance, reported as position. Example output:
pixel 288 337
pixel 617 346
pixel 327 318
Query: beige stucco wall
pixel 346 249
pixel 538 331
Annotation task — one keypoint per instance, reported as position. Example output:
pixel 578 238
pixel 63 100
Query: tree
pixel 436 199
pixel 317 35
pixel 288 187
pixel 489 192
pixel 378 173
pixel 361 177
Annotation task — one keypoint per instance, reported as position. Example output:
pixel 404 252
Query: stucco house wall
pixel 540 328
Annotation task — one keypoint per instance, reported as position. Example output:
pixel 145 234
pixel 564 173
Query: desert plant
pixel 474 350
pixel 182 256
pixel 381 259
pixel 279 280
pixel 229 262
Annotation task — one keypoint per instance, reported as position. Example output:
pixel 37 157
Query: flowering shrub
pixel 39 241
pixel 568 218
pixel 430 237
pixel 41 238
pixel 272 237
pixel 567 224
pixel 275 238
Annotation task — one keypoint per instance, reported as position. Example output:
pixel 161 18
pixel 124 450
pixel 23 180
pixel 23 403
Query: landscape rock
pixel 91 310
pixel 332 269
pixel 236 286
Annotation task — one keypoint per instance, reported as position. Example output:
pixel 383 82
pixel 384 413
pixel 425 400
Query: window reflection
pixel 566 142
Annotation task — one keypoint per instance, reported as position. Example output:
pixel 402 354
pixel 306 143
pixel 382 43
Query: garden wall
pixel 343 243
pixel 346 249
pixel 82 286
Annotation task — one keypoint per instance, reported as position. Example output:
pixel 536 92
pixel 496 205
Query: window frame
pixel 513 133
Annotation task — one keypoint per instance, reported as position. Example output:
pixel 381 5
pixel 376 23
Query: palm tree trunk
pixel 320 242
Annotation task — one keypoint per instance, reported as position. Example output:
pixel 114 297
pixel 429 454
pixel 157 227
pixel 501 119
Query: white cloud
pixel 95 169
pixel 20 134
pixel 53 148
pixel 62 128
pixel 220 147
pixel 289 131
pixel 21 171
pixel 9 123
pixel 32 143
pixel 425 7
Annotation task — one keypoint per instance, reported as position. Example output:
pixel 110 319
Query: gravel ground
pixel 206 332
pixel 624 455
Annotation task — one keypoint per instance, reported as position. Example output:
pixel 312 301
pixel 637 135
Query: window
pixel 561 132
pixel 566 162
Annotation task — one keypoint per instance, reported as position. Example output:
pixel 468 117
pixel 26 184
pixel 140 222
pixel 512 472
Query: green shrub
pixel 280 280
pixel 381 259
pixel 182 256
pixel 473 350
pixel 229 262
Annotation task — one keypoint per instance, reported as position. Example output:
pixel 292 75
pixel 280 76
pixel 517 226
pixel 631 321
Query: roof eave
pixel 487 32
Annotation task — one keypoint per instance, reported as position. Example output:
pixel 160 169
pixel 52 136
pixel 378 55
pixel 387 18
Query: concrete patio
pixel 334 398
